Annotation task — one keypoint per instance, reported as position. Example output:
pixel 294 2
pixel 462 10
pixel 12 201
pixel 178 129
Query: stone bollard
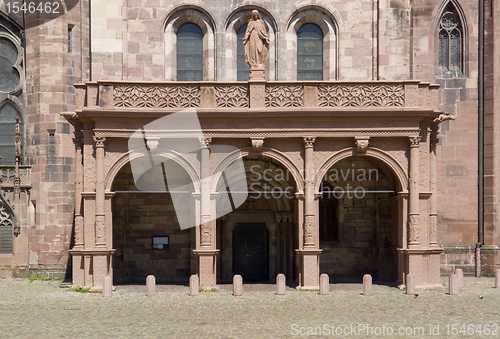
pixel 367 284
pixel 410 283
pixel 280 284
pixel 324 284
pixel 237 285
pixel 453 284
pixel 150 285
pixel 106 288
pixel 194 285
pixel 497 278
pixel 460 276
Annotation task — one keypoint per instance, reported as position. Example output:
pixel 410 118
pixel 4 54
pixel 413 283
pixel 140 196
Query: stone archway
pixel 144 214
pixel 365 226
pixel 270 204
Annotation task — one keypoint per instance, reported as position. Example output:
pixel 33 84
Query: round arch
pixel 173 21
pixel 267 152
pixel 237 18
pixel 124 159
pixel 328 22
pixel 370 152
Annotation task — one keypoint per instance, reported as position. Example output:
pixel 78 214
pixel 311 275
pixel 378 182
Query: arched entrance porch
pixel 146 230
pixel 258 239
pixel 358 220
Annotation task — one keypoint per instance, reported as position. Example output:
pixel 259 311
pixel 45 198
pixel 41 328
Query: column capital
pixel 309 142
pixel 99 141
pixel 414 141
pixel 205 142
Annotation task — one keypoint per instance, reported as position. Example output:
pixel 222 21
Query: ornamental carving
pixel 414 141
pixel 205 234
pixel 362 144
pixel 78 230
pixel 309 229
pixel 6 219
pixel 284 96
pixel 257 144
pixel 205 142
pixel 433 230
pixel 156 96
pixel 361 96
pixel 99 141
pixel 99 229
pixel 232 96
pixel 309 141
pixel 414 228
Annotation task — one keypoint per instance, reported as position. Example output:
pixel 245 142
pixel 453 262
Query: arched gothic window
pixel 309 53
pixel 6 230
pixel 189 53
pixel 243 67
pixel 451 41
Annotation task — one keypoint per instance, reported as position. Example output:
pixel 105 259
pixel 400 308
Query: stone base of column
pixel 90 267
pixel 309 269
pixel 207 270
pixel 425 265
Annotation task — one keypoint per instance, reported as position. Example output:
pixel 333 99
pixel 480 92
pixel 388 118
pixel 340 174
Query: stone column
pixel 310 229
pixel 100 240
pixel 78 194
pixel 207 251
pixel 77 257
pixel 413 220
pixel 310 251
pixel 433 188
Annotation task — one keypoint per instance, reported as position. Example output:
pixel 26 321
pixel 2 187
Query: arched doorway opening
pixel 358 220
pixel 146 231
pixel 258 239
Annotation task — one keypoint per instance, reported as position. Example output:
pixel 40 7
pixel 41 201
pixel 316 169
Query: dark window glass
pixel 6 237
pixel 70 40
pixel 243 67
pixel 9 76
pixel 189 53
pixel 309 53
pixel 450 43
pixel 328 219
pixel 7 134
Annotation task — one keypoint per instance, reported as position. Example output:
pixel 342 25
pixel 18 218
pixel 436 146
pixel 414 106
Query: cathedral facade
pixel 137 140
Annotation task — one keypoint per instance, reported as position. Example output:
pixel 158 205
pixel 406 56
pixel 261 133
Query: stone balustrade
pixel 275 95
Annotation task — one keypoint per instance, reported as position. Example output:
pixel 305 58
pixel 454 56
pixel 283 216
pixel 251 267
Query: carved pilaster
pixel 99 193
pixel 433 240
pixel 311 231
pixel 413 220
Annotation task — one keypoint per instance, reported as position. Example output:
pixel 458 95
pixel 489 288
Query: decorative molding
pixel 284 96
pixel 366 95
pixel 263 133
pixel 156 96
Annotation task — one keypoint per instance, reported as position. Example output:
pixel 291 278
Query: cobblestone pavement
pixel 44 310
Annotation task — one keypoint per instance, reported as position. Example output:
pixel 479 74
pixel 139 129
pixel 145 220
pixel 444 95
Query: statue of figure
pixel 256 42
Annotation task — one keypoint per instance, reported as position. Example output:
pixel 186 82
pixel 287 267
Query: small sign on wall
pixel 160 243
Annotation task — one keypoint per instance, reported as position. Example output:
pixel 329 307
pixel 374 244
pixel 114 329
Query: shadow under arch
pixel 171 155
pixel 267 152
pixel 386 159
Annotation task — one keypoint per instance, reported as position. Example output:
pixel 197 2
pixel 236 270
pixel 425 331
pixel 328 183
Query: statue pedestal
pixel 257 73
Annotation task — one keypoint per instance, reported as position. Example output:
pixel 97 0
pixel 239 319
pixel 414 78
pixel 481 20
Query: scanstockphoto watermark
pixel 362 330
pixel 337 182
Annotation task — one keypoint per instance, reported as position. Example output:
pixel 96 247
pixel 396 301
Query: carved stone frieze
pixel 368 95
pixel 156 96
pixel 284 96
pixel 232 96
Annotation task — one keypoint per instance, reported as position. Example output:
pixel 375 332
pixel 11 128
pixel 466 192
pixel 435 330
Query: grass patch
pixel 83 289
pixel 44 277
pixel 206 289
